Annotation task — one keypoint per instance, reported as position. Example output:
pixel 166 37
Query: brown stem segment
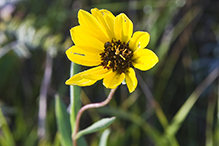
pixel 88 106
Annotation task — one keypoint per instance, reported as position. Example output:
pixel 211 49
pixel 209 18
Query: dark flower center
pixel 116 56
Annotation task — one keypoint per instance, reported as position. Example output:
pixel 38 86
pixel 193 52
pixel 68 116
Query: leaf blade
pixel 104 137
pixel 101 124
pixel 7 139
pixel 63 122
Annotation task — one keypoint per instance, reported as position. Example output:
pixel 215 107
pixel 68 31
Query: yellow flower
pixel 106 41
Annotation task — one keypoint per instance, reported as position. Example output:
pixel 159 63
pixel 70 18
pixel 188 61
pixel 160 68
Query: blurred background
pixel 34 35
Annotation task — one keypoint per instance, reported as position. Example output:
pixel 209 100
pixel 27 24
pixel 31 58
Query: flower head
pixel 106 42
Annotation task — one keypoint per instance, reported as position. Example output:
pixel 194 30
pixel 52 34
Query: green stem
pixel 74 96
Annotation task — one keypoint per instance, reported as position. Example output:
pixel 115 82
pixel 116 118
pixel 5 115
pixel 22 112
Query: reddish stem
pixel 88 106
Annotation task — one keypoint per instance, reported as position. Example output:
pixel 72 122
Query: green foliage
pixel 99 125
pixel 7 137
pixel 175 103
pixel 63 123
pixel 104 137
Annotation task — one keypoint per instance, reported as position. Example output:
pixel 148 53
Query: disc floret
pixel 116 56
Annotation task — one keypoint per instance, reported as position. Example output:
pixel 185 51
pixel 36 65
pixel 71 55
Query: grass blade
pixel 152 133
pixel 184 110
pixel 63 122
pixel 104 137
pixel 209 122
pixel 8 139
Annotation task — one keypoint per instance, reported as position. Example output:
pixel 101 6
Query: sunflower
pixel 106 42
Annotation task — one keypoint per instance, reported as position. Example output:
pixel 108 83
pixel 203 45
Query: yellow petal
pixel 144 59
pixel 106 20
pixel 87 20
pixel 109 18
pixel 113 79
pixel 81 38
pixel 79 80
pixel 107 13
pixel 139 40
pixel 123 28
pixel 84 31
pixel 82 57
pixel 131 79
pixel 96 73
pixel 91 50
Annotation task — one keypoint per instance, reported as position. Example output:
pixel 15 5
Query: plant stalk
pixel 88 106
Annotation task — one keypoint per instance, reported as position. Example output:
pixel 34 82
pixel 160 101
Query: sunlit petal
pixel 87 20
pixel 81 38
pixel 96 73
pixel 91 50
pixel 79 80
pixel 113 79
pixel 110 19
pixel 139 40
pixel 106 20
pixel 123 28
pixel 144 59
pixel 131 79
pixel 82 57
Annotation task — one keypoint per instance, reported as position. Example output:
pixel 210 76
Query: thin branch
pixel 43 94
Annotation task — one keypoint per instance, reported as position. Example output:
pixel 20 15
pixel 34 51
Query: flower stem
pixel 88 106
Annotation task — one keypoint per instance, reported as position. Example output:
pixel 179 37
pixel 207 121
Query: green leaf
pixel 210 122
pixel 63 122
pixel 7 139
pixel 104 137
pixel 81 142
pixel 103 123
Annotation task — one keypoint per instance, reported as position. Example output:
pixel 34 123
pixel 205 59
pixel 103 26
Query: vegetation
pixel 175 103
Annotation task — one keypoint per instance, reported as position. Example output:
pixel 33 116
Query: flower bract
pixel 107 43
